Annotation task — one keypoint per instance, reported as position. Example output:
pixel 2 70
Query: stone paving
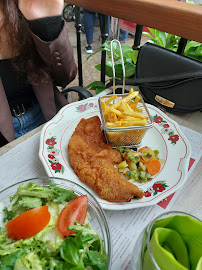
pixel 90 73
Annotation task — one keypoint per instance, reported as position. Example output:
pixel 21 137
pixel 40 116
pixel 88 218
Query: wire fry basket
pixel 130 136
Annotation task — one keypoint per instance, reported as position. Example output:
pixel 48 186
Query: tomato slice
pixel 75 210
pixel 28 223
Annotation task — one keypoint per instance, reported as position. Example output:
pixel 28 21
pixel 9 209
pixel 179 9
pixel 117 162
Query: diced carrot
pixel 147 154
pixel 142 149
pixel 143 161
pixel 126 158
pixel 153 166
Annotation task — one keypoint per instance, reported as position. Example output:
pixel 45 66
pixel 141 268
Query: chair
pixel 82 92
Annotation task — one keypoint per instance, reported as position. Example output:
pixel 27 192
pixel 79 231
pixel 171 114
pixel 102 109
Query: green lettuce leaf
pixel 8 261
pixel 27 262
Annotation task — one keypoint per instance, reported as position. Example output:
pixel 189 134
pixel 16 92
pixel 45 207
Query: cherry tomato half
pixel 75 210
pixel 28 223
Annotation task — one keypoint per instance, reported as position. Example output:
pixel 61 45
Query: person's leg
pixel 28 121
pixel 89 19
pixel 123 35
pixel 108 26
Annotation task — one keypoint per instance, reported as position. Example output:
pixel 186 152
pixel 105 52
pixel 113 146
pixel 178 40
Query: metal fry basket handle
pixel 122 63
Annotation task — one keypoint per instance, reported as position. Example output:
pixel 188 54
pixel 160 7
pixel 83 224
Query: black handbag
pixel 167 79
pixel 174 81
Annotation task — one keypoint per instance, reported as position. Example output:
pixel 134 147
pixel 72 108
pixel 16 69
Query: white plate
pixel 165 136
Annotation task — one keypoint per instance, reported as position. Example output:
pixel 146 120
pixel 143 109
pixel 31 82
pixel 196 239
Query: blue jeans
pixel 28 121
pixel 89 23
pixel 123 35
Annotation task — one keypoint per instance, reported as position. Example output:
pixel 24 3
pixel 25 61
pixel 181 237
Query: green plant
pixel 129 58
pixel 162 39
pixel 193 49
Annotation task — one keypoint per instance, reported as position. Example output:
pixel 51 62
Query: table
pixel 189 199
pixel 125 225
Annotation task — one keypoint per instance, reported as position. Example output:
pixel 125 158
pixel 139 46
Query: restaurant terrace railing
pixel 171 16
pixel 174 17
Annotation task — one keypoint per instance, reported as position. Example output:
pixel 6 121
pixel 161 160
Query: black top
pixel 16 85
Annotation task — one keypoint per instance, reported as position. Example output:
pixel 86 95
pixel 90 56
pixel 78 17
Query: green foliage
pixel 129 58
pixel 97 85
pixel 193 49
pixel 163 39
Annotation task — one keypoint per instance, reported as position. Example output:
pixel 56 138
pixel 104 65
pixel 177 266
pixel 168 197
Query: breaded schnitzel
pixel 93 161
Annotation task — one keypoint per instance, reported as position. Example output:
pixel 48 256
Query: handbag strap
pixel 171 79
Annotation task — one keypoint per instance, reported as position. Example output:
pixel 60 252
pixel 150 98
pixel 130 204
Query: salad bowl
pixel 97 218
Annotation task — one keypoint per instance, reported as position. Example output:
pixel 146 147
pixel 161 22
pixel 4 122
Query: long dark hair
pixel 19 39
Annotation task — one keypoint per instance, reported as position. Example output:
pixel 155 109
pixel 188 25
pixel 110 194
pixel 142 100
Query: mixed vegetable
pixel 48 228
pixel 139 165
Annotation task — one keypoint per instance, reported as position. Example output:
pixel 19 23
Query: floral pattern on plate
pixel 166 129
pixel 157 187
pixel 52 156
pixel 84 107
pixel 162 136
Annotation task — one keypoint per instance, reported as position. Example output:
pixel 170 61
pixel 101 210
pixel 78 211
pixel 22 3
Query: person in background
pixel 35 57
pixel 127 29
pixel 123 35
pixel 89 23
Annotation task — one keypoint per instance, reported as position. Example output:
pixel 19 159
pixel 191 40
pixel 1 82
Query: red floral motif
pixel 158 119
pixel 50 142
pixel 147 194
pixel 51 156
pixel 158 187
pixel 173 138
pixel 82 108
pixel 56 166
pixel 166 129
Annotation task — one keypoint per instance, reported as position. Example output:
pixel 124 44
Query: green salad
pixel 48 228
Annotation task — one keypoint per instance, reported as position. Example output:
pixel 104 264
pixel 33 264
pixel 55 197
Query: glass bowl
pixel 143 246
pixel 98 219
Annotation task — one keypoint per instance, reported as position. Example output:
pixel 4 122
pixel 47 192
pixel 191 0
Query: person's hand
pixel 35 9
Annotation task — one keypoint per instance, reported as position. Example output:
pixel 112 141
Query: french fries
pixel 123 113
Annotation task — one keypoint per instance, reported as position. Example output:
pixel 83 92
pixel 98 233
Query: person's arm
pixel 58 56
pixel 47 28
pixel 53 46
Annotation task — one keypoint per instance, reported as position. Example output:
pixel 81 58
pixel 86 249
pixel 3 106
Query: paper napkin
pixel 176 243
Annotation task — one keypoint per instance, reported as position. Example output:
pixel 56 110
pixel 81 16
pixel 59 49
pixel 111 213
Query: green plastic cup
pixel 173 240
